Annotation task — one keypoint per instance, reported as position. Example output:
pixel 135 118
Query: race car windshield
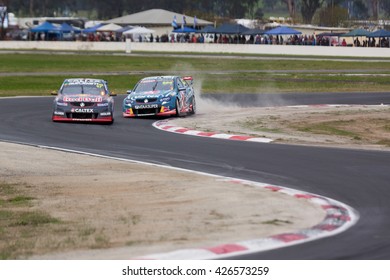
pixel 82 89
pixel 153 85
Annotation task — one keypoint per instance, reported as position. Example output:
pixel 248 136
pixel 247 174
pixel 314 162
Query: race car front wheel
pixel 193 106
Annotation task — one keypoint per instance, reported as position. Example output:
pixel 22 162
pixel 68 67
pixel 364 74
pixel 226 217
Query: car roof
pixel 160 78
pixel 84 81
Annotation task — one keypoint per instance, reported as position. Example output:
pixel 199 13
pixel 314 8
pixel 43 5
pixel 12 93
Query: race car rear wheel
pixel 193 106
pixel 178 108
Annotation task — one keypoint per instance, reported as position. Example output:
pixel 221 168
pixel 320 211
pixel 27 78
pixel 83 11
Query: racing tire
pixel 193 106
pixel 178 109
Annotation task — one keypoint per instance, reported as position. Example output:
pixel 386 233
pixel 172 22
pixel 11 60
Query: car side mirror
pixel 129 91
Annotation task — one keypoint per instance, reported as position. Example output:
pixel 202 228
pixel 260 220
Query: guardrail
pixel 128 47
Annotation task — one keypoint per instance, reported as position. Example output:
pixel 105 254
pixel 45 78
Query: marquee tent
pixel 207 29
pixel 381 33
pixel 254 32
pixel 282 30
pixel 124 29
pixel 139 30
pixel 229 28
pixel 356 33
pixel 46 27
pixel 66 28
pixel 93 28
pixel 185 29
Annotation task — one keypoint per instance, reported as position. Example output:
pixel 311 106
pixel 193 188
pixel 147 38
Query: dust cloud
pixel 266 95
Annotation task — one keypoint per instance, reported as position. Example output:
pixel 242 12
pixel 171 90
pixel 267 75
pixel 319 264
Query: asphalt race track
pixel 358 178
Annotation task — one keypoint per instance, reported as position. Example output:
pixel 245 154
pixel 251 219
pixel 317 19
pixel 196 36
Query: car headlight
pixel 129 101
pixel 61 103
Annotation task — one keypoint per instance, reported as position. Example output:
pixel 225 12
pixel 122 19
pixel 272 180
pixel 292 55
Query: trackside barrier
pixel 128 47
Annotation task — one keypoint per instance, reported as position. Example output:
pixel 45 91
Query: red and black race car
pixel 85 100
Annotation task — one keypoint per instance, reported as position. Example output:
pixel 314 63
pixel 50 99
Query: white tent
pixel 139 30
pixel 109 27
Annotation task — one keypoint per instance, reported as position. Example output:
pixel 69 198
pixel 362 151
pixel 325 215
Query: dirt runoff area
pixel 345 126
pixel 58 205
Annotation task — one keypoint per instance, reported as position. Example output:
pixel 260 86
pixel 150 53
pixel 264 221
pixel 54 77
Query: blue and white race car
pixel 161 96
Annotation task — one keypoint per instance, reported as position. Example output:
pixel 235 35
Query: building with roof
pixel 159 20
pixel 29 22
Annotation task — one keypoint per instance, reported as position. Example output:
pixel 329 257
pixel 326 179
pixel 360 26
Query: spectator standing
pixel 257 39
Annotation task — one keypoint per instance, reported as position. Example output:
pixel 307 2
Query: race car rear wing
pixel 188 79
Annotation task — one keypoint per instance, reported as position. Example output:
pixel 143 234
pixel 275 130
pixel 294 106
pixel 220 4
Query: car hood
pixel 151 94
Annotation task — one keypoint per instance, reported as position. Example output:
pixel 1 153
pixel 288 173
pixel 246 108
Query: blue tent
pixel 93 28
pixel 228 28
pixel 254 32
pixel 46 27
pixel 66 28
pixel 185 29
pixel 207 29
pixel 380 33
pixel 356 33
pixel 283 30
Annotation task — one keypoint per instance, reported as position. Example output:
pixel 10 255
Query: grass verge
pixel 26 230
pixel 18 73
pixel 20 223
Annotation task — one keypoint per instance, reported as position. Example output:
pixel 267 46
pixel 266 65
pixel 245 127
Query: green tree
pixel 374 8
pixel 333 16
pixel 359 10
pixel 308 9
pixel 253 9
pixel 385 5
pixel 269 3
pixel 291 6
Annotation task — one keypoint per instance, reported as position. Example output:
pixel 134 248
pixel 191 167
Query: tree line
pixel 205 9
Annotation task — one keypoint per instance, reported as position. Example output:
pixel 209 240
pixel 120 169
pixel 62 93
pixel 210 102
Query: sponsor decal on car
pixel 59 113
pixel 146 106
pixel 83 99
pixel 105 114
pixel 145 96
pixel 78 110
